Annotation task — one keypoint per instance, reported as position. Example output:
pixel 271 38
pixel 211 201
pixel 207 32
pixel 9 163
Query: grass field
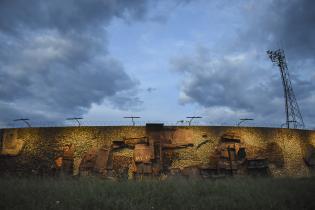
pixel 93 193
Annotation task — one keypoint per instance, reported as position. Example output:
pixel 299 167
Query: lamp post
pixel 132 119
pixel 25 120
pixel 243 120
pixel 76 119
pixel 191 119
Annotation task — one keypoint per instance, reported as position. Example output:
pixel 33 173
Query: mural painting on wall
pixel 63 163
pixel 153 156
pixel 166 152
pixel 11 144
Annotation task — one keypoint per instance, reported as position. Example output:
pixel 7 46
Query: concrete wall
pixel 32 150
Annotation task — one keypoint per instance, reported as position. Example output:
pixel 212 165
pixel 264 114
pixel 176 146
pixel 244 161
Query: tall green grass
pixel 94 193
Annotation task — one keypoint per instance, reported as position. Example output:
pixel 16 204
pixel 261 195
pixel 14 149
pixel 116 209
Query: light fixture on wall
pixel 76 119
pixel 132 119
pixel 25 120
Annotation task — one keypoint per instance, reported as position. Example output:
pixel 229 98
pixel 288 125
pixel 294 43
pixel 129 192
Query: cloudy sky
pixel 161 60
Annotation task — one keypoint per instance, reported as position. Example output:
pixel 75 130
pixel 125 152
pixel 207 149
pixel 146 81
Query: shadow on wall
pixel 275 155
pixel 309 157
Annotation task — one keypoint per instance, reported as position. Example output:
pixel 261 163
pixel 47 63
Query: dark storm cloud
pixel 281 23
pixel 298 32
pixel 53 57
pixel 241 79
pixel 66 15
pixel 227 81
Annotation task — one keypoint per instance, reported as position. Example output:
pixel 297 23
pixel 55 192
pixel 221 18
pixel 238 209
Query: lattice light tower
pixel 292 110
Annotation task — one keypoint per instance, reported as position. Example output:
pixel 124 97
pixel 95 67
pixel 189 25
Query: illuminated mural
pixel 157 151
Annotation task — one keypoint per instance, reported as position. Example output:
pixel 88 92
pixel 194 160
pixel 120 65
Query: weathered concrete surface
pixel 33 150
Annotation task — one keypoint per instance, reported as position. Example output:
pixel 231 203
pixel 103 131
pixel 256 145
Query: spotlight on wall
pixel 132 119
pixel 76 119
pixel 191 119
pixel 243 120
pixel 25 120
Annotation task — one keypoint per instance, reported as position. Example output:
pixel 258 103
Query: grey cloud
pixel 54 61
pixel 252 86
pixel 124 102
pixel 150 89
pixel 299 28
pixel 66 15
pixel 227 82
pixel 163 9
pixel 235 85
pixel 280 23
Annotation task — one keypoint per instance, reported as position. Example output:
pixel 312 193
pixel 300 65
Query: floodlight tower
pixel 292 110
